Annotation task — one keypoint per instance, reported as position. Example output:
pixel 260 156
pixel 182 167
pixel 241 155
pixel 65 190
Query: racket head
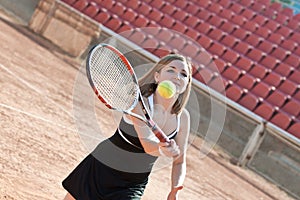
pixel 112 78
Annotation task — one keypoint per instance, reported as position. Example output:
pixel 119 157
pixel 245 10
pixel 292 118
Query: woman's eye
pixel 184 74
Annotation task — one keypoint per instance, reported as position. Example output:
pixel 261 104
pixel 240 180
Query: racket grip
pixel 159 134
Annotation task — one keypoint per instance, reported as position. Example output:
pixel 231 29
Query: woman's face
pixel 176 71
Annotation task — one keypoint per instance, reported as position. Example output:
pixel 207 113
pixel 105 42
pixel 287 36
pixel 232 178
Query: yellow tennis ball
pixel 166 89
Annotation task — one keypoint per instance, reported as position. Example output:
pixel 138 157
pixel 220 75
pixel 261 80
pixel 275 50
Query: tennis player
pixel 119 167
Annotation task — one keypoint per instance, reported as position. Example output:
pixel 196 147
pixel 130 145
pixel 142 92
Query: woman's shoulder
pixel 185 114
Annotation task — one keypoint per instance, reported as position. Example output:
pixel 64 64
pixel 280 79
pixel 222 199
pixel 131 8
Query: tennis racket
pixel 115 83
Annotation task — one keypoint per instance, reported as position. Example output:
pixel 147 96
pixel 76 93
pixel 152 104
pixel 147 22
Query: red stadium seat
pixel 129 15
pixel 265 110
pixel 246 3
pixel 192 21
pixel 155 15
pixel 180 15
pixel 118 9
pixel 91 10
pixel 203 58
pixel 236 8
pixel 228 27
pixel 205 41
pixel 133 4
pixel 291 59
pixel 250 26
pixel 244 63
pixel 114 23
pixel 150 44
pixel 295 36
pixel 266 46
pixel 259 71
pixel 144 9
pixel 179 27
pixel 289 45
pixel 204 27
pixel 232 73
pixel 80 4
pixel 157 3
pixel 69 2
pixel 217 49
pixel 292 107
pixel 263 32
pixel 242 47
pixel 284 69
pixel 204 15
pixel 192 33
pixel 273 79
pixel 295 77
pixel 238 19
pixel 181 4
pixel 229 41
pixel 258 7
pixel 164 34
pixel 256 55
pixel 205 75
pixel 169 8
pixel 216 34
pixel 294 129
pixel 105 4
pixel 220 84
pixel 167 21
pixel 297 51
pixel 277 98
pixel 272 25
pixel 220 64
pixel 140 21
pixel 203 3
pixel 281 120
pixel 234 92
pixel 289 87
pixel 281 18
pixel 190 49
pixel 260 19
pixel 248 13
pixel 225 3
pixel 281 53
pixel 254 40
pixel 249 101
pixel 241 33
pixel 262 89
pixel 287 11
pixel 247 81
pixel 103 16
pixel 215 8
pixel 230 56
pixel 138 37
pixel 177 42
pixel 275 38
pixel 293 24
pixel 276 6
pixel 269 12
pixel 192 8
pixel 269 62
pixel 226 14
pixel 126 29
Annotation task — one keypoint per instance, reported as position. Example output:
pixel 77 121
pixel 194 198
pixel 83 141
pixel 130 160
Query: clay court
pixel 40 144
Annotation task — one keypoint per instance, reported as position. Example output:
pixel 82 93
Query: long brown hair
pixel 148 86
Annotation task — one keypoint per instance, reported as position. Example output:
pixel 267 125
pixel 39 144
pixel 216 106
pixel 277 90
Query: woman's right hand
pixel 169 149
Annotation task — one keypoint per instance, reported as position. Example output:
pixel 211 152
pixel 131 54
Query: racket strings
pixel 112 79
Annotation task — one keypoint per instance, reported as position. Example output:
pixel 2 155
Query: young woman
pixel 119 167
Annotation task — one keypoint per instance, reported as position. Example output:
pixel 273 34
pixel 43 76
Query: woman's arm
pixel 179 163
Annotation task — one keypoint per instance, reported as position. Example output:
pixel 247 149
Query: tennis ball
pixel 166 89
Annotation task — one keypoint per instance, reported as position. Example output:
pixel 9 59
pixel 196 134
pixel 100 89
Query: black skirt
pixel 113 171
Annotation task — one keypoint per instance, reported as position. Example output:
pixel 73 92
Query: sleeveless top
pixel 128 133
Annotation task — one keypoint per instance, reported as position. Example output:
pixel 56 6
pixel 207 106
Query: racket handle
pixel 159 134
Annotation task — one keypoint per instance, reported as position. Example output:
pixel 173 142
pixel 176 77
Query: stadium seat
pixel 247 81
pixel 126 29
pixel 241 33
pixel 289 45
pixel 266 46
pixel 80 4
pixel 273 79
pixel 138 37
pixel 234 92
pixel 291 59
pixel 254 40
pixel 140 21
pixel 257 6
pixel 275 38
pixel 230 56
pixel 276 6
pixel 167 21
pixel 192 8
pixel 114 23
pixel 204 15
pixel 180 15
pixel 217 49
pixel 280 53
pixel 295 76
pixel 226 14
pixel 144 9
pixel 216 34
pixel 244 63
pixel 204 27
pixel 281 18
pixel 250 26
pixel 220 84
pixel 277 98
pixel 69 2
pixel 256 55
pixel 259 71
pixel 236 8
pixel 246 3
pixel 205 41
pixel 157 3
pixel 214 7
pixel 129 15
pixel 272 25
pixel 262 89
pixel 191 21
pixel 269 62
pixel 295 36
pixel 248 13
pixel 284 69
pixel 102 16
pixel 269 12
pixel 203 3
pixel 218 65
pixel 155 15
pixel 232 73
pixel 293 24
pixel 168 8
pixel 190 49
pixel 179 27
pixel 225 3
pixel 203 58
pixel 249 101
pixel 177 42
pixel 164 34
pixel 192 33
pixel 288 87
pixel 292 107
pixel 263 32
pixel 216 21
pixel 181 4
pixel 133 4
pixel 205 75
pixel 91 10
pixel 238 20
pixel 281 120
pixel 229 41
pixel 105 4
pixel 297 51
pixel 259 19
pixel 287 11
pixel 242 47
pixel 150 44
pixel 265 110
pixel 228 27
pixel 118 9
pixel 294 129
